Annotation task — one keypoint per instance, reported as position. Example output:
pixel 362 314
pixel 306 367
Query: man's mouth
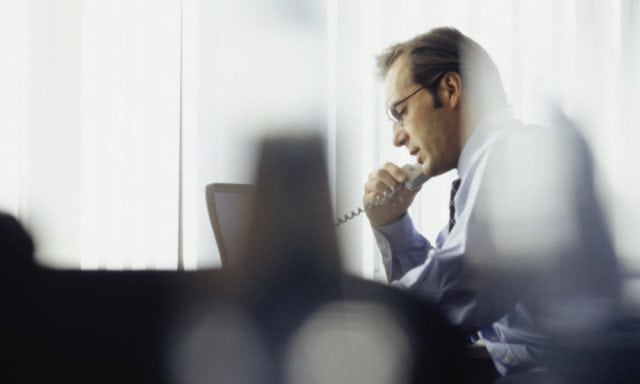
pixel 414 152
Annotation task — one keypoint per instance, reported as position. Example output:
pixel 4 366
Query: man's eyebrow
pixel 390 103
pixel 395 97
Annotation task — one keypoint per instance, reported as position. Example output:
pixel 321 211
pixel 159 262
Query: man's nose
pixel 399 135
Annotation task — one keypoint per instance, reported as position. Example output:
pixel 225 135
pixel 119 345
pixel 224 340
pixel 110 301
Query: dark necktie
pixel 452 210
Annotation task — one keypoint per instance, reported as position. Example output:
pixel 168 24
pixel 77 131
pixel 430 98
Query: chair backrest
pixel 229 207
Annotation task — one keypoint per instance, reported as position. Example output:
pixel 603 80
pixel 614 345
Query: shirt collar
pixel 481 137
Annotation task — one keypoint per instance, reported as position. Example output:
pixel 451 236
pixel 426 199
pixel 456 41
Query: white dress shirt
pixel 437 271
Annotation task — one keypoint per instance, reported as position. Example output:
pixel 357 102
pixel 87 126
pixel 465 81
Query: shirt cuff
pixel 401 235
pixel 401 247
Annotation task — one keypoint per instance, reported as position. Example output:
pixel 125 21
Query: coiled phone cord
pixel 380 200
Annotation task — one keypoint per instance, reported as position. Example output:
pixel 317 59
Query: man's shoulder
pixel 559 131
pixel 541 145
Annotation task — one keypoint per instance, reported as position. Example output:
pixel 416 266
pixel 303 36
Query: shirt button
pixel 507 360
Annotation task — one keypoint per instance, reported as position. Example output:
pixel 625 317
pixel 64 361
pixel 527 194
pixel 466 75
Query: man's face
pixel 430 134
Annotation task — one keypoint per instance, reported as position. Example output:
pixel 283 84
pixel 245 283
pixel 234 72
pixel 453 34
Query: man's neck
pixel 469 120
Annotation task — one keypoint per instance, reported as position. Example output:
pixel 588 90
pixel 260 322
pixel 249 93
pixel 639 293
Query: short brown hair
pixel 445 49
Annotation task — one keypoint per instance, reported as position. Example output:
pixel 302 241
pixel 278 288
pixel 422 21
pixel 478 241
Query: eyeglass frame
pixel 393 114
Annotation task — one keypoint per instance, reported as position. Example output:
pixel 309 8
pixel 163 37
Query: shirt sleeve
pixel 435 274
pixel 443 279
pixel 441 274
pixel 401 246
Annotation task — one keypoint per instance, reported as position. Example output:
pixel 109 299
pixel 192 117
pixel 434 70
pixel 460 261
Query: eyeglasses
pixel 393 113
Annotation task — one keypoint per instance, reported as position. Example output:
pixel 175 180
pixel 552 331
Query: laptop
pixel 229 207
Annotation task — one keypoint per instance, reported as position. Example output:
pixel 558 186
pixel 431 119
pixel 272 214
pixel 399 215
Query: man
pixel 448 107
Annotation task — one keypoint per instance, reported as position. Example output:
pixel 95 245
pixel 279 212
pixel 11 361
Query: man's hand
pixel 381 181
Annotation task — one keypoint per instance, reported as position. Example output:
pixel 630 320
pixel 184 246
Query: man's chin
pixel 430 170
pixel 427 168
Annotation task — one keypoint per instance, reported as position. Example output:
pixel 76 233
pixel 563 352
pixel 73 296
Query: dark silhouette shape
pixel 292 264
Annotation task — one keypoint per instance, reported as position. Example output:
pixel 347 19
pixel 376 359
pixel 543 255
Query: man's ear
pixel 451 86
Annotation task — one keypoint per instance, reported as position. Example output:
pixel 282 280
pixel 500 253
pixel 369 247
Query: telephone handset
pixel 415 178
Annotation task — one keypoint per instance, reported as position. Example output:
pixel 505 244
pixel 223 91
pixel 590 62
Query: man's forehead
pixel 398 78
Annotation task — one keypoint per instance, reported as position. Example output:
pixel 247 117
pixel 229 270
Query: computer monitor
pixel 229 208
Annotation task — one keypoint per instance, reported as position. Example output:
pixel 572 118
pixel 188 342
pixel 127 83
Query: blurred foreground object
pixel 262 321
pixel 321 325
pixel 540 235
pixel 540 229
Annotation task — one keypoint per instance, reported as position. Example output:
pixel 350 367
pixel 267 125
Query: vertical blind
pixel 92 130
pixel 120 112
